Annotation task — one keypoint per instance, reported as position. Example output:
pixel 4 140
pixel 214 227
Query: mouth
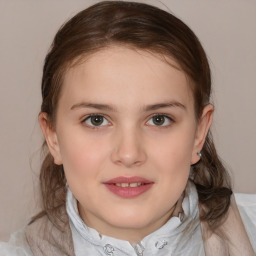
pixel 128 187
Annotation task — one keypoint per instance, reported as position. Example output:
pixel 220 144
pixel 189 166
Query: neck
pixel 131 234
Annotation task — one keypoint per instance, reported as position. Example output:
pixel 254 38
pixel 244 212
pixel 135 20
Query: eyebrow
pixel 93 105
pixel 164 105
pixel 113 109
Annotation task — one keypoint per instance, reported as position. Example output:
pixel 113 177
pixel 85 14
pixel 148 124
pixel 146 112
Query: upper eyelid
pixel 94 114
pixel 162 114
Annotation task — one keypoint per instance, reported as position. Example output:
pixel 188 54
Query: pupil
pixel 158 120
pixel 97 120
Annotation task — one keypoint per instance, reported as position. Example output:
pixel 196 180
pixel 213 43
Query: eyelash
pixel 170 119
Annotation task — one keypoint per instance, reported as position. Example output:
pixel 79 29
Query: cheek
pixel 175 150
pixel 82 156
pixel 173 164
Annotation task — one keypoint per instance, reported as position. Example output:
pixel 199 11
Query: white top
pixel 168 240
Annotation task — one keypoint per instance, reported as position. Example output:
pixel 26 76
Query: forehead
pixel 128 75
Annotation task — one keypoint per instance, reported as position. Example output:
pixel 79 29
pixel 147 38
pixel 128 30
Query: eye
pixel 96 120
pixel 160 120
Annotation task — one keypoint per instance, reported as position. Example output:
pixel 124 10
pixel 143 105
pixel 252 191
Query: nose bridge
pixel 129 148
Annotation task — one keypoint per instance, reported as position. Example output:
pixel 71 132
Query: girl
pixel 130 166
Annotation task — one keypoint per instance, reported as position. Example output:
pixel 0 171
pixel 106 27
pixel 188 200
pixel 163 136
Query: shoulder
pixel 17 245
pixel 246 204
pixel 231 237
pixel 46 237
pixel 40 238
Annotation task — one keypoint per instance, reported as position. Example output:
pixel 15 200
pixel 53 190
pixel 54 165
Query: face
pixel 126 135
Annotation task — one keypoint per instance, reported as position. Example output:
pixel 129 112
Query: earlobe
pixel 203 127
pixel 50 137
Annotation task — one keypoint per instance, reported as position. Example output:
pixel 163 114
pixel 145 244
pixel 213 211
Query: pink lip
pixel 128 192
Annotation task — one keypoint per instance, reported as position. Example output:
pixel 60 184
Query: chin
pixel 131 221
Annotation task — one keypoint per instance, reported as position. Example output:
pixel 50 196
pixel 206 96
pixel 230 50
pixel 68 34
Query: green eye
pixel 96 120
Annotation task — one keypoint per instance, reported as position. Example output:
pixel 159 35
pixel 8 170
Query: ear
pixel 203 127
pixel 50 137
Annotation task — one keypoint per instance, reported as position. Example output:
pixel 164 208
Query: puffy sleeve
pixel 17 245
pixel 247 207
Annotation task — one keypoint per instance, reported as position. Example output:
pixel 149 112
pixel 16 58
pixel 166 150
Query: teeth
pixel 126 185
pixel 134 185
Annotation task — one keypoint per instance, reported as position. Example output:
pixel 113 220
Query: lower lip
pixel 128 192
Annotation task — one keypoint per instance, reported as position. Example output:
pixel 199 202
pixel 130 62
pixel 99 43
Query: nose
pixel 128 148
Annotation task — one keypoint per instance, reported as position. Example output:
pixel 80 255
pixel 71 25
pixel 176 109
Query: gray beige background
pixel 227 30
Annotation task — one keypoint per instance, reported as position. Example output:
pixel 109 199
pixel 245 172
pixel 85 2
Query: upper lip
pixel 133 179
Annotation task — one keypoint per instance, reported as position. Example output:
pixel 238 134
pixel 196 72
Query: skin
pixel 128 143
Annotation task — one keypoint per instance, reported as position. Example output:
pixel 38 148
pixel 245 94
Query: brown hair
pixel 145 27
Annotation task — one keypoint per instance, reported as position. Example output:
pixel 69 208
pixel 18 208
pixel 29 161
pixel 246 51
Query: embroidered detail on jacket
pixel 108 250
